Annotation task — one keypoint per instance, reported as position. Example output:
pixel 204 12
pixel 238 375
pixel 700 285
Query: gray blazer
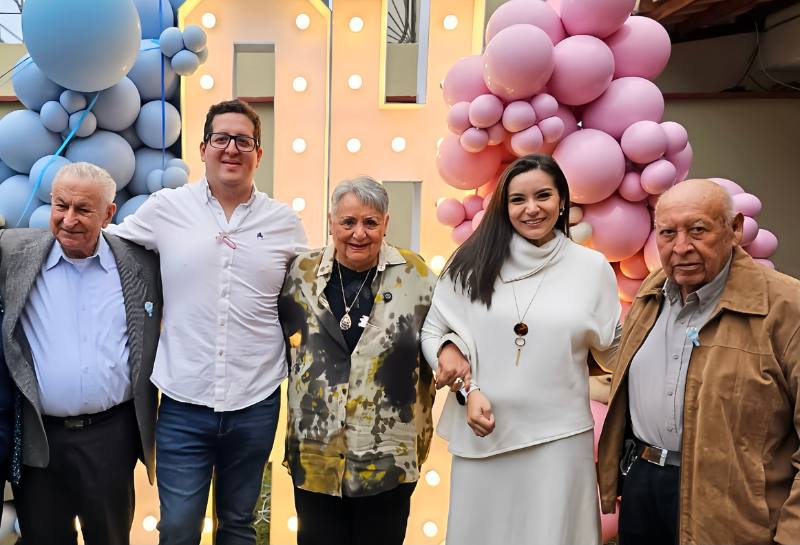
pixel 22 254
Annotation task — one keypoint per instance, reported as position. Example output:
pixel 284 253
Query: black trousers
pixel 649 511
pixel 330 520
pixel 90 476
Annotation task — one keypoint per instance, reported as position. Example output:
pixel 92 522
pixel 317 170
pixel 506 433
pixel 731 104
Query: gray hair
pixel 87 172
pixel 368 191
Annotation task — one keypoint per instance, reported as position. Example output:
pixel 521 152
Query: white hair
pixel 88 172
pixel 368 191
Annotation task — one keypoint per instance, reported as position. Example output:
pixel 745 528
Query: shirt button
pixel 669 394
pixel 683 322
pixel 669 428
pixel 221 352
pixel 674 356
pixel 222 322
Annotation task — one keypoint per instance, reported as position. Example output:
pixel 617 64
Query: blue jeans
pixel 192 443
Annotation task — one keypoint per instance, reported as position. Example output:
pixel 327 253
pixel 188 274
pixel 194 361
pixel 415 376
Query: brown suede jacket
pixel 740 463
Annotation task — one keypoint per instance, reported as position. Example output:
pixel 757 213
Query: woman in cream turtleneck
pixel 520 306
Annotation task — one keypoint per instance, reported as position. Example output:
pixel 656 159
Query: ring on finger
pixel 458 383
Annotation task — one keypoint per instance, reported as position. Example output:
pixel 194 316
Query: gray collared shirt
pixel 657 376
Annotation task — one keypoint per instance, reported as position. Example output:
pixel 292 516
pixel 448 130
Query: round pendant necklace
pixel 521 328
pixel 346 323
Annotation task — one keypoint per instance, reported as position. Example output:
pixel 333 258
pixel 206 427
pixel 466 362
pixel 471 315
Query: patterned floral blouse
pixel 358 423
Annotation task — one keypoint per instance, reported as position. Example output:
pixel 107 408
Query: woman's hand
pixel 479 414
pixel 452 366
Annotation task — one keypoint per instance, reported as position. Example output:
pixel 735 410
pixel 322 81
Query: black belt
pixel 85 420
pixel 656 455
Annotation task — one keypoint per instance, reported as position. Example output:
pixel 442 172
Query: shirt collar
pixel 205 192
pixel 708 294
pixel 102 254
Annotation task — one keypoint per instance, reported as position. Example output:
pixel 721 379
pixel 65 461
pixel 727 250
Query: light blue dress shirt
pixel 76 325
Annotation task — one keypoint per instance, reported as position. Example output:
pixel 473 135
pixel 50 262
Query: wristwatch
pixel 463 393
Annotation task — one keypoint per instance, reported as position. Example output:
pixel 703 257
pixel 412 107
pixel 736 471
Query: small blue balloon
pixel 171 41
pixel 147 160
pixel 149 124
pixel 6 172
pixel 174 177
pixel 40 218
pixel 54 117
pixel 107 150
pixel 31 86
pixel 152 24
pixel 72 101
pixel 130 206
pixel 14 195
pixel 83 45
pixel 194 38
pixel 146 73
pixel 132 138
pixel 49 165
pixel 185 62
pixel 87 126
pixel 117 107
pixel 154 180
pixel 179 163
pixel 23 139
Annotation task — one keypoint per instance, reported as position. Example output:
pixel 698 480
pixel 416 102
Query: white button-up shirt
pixel 221 344
pixel 75 323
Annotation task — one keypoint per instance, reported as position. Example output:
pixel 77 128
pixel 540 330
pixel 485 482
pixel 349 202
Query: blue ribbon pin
pixel 148 308
pixel 693 335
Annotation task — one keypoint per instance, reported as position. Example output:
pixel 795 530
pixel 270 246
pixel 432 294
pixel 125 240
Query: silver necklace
pixel 521 328
pixel 346 323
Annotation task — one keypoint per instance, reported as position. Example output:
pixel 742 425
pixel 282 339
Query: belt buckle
pixel 74 423
pixel 649 451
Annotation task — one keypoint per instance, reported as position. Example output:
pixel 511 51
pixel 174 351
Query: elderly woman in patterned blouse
pixel 360 394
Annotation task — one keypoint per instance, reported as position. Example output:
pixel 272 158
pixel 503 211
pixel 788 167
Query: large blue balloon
pixel 171 41
pixel 23 139
pixel 130 206
pixel 83 45
pixel 152 25
pixel 146 73
pixel 6 172
pixel 40 218
pixel 14 194
pixel 185 62
pixel 147 160
pixel 47 167
pixel 108 150
pixel 194 38
pixel 148 124
pixel 31 86
pixel 117 107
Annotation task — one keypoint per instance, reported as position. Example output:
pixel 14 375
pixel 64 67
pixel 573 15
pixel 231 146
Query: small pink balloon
pixel 518 116
pixel 641 48
pixel 465 170
pixel 749 230
pixel 518 62
pixel 682 161
pixel 677 137
pixel 730 186
pixel 464 80
pixel 545 105
pixel 450 212
pixel 626 101
pixel 658 176
pixel 584 68
pixel 458 118
pixel 593 164
pixel 462 232
pixel 599 18
pixel 747 204
pixel 486 200
pixel 497 134
pixel 764 245
pixel 528 141
pixel 552 129
pixel 619 228
pixel 644 142
pixel 477 219
pixel 575 214
pixel 766 262
pixel 634 267
pixel 650 253
pixel 487 189
pixel 538 14
pixel 485 111
pixel 565 114
pixel 472 205
pixel 609 522
pixel 627 287
pixel 474 140
pixel 631 188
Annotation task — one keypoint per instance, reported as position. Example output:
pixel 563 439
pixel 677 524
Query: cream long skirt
pixel 540 495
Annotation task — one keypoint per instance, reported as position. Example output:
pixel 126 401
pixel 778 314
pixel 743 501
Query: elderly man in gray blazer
pixel 81 325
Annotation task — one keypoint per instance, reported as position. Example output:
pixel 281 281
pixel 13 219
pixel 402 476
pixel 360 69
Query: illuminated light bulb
pixel 432 477
pixel 298 145
pixel 430 528
pixel 353 145
pixel 149 523
pixel 208 525
pixel 292 524
pixel 298 204
pixel 302 21
pixel 209 20
pixel 450 22
pixel 206 81
pixel 356 24
pixel 355 82
pixel 299 84
pixel 398 143
pixel 437 264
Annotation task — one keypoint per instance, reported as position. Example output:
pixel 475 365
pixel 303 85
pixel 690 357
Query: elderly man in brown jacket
pixel 703 419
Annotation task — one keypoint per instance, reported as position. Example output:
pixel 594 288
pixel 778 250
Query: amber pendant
pixel 345 323
pixel 521 329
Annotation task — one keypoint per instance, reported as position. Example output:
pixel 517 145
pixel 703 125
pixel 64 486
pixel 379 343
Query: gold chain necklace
pixel 346 323
pixel 521 328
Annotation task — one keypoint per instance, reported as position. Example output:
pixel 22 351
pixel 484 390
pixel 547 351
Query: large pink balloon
pixel 627 287
pixel 458 118
pixel 728 185
pixel 644 142
pixel 682 161
pixel 634 267
pixel 485 111
pixel 747 204
pixel 764 245
pixel 593 163
pixel 584 68
pixel 598 18
pixel 631 187
pixel 626 101
pixel 528 12
pixel 464 80
pixel 658 176
pixel 450 212
pixel 518 62
pixel 619 228
pixel 518 116
pixel 749 230
pixel 641 48
pixel 463 169
pixel 650 253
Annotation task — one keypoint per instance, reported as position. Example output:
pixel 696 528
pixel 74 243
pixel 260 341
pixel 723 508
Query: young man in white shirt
pixel 224 250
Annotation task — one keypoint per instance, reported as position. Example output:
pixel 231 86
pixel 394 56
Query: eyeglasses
pixel 220 140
